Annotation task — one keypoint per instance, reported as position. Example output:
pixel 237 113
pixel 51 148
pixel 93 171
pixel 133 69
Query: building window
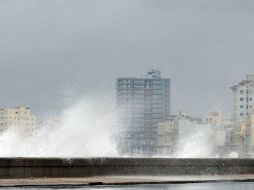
pixel 241 99
pixel 241 114
pixel 241 91
pixel 241 106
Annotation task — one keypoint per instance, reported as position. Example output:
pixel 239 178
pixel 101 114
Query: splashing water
pixel 89 129
pixel 86 129
pixel 196 143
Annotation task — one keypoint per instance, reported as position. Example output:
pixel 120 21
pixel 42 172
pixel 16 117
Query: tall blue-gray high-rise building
pixel 144 102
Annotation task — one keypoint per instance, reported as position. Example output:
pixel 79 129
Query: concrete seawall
pixel 88 167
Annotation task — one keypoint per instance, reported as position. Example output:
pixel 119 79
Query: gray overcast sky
pixel 52 49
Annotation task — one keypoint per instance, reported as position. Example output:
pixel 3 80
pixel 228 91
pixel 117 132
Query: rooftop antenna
pixel 151 71
pixel 154 74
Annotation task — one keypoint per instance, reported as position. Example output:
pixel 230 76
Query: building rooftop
pixel 153 74
pixel 249 79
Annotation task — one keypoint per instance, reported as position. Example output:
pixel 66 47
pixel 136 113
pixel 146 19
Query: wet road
pixel 196 186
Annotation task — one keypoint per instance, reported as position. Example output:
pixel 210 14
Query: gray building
pixel 144 102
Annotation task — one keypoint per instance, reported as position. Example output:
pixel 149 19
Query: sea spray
pixel 196 143
pixel 85 129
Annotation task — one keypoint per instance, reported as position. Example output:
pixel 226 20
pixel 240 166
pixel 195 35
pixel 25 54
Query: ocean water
pixel 194 186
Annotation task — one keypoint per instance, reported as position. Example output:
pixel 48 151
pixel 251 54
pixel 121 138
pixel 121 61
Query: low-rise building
pixel 218 137
pixel 182 133
pixel 214 118
pixel 176 128
pixel 229 137
pixel 244 137
pixel 20 118
pixel 167 136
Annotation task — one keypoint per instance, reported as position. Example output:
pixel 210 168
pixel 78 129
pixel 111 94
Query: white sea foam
pixel 89 128
pixel 86 129
pixel 196 143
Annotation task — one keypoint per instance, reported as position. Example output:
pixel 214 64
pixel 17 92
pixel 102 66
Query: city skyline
pixel 144 77
pixel 59 54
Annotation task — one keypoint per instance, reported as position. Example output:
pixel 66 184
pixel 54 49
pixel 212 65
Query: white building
pixel 243 98
pixel 242 116
pixel 20 118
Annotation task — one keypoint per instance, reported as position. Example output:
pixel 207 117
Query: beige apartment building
pixel 214 118
pixel 171 131
pixel 167 136
pixel 20 118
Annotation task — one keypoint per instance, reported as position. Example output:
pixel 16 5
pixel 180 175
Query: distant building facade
pixel 242 116
pixel 144 102
pixel 214 118
pixel 20 118
pixel 220 130
pixel 167 136
pixel 243 99
pixel 175 129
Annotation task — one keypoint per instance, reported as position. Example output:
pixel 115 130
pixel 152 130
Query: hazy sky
pixel 52 50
